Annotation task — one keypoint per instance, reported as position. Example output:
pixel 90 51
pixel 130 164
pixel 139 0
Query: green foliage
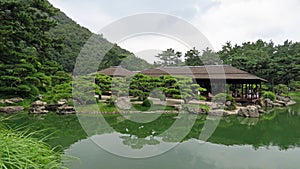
pixel 25 60
pixel 295 85
pixel 220 98
pixel 58 92
pixel 120 86
pixel 233 102
pixel 281 89
pixel 223 98
pixel 147 103
pixel 104 82
pixel 269 95
pixel 21 150
pixel 111 101
pixel 280 63
pixel 141 86
pixel 206 107
pixel 84 90
pixel 169 58
pixel 192 58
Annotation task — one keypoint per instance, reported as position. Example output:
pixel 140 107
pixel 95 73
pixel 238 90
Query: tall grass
pixel 19 150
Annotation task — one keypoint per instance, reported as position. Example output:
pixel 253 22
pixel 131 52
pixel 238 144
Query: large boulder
pixel 249 111
pixel 11 109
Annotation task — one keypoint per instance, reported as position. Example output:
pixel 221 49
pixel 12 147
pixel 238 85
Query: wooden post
pixel 242 91
pixel 251 94
pixel 260 90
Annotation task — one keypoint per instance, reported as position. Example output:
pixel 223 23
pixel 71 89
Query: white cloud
pixel 220 20
pixel 148 46
pixel 88 14
pixel 248 20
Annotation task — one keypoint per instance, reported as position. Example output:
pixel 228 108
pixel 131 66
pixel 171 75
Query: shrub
pixel 20 150
pixel 269 95
pixel 176 96
pixel 232 106
pixel 147 103
pixel 281 89
pixel 219 98
pixel 111 101
pixel 206 107
pixel 295 85
pixel 200 97
pixel 223 98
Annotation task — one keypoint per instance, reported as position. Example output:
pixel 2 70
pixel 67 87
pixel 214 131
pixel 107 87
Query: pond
pixel 126 141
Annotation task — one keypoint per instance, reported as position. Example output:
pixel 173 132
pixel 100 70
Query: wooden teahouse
pixel 216 78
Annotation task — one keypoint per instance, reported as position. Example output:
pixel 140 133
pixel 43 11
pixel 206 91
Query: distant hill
pixel 74 36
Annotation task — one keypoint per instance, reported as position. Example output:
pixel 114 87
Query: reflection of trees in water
pixel 277 128
pixel 138 143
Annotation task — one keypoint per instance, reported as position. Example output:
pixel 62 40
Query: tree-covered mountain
pixel 39 44
pixel 73 37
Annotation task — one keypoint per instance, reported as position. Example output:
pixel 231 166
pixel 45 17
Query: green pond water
pixel 171 141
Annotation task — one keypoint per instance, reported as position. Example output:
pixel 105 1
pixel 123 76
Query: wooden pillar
pixel 251 94
pixel 242 91
pixel 260 90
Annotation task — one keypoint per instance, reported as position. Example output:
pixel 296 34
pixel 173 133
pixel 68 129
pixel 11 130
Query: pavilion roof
pixel 116 71
pixel 204 72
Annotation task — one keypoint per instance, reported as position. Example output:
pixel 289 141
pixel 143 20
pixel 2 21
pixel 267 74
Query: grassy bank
pixel 295 96
pixel 19 149
pixel 105 108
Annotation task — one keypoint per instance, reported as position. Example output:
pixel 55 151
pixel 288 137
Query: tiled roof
pixel 203 72
pixel 117 71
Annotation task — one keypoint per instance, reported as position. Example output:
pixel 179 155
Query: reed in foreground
pixel 21 150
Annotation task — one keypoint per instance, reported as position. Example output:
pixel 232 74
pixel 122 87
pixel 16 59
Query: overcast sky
pixel 219 20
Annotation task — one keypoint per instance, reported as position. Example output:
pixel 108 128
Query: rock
pixel 258 106
pixel 123 103
pixel 38 103
pixel 12 100
pixel 66 110
pixel 62 102
pixel 52 107
pixel 218 112
pixel 249 111
pixel 239 104
pixel 280 103
pixel 268 103
pixel 38 107
pixel 196 110
pixel 261 111
pixel 287 99
pixel 11 109
pixel 228 103
pixel 40 97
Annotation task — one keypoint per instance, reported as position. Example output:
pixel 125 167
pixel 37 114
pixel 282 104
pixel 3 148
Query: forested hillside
pixel 73 37
pixel 39 46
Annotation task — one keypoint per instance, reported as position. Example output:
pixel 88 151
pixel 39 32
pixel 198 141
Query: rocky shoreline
pixel 216 109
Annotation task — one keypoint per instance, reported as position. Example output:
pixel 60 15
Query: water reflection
pixel 190 155
pixel 270 142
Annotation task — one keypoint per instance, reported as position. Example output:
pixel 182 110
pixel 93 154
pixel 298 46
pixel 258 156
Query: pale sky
pixel 220 21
